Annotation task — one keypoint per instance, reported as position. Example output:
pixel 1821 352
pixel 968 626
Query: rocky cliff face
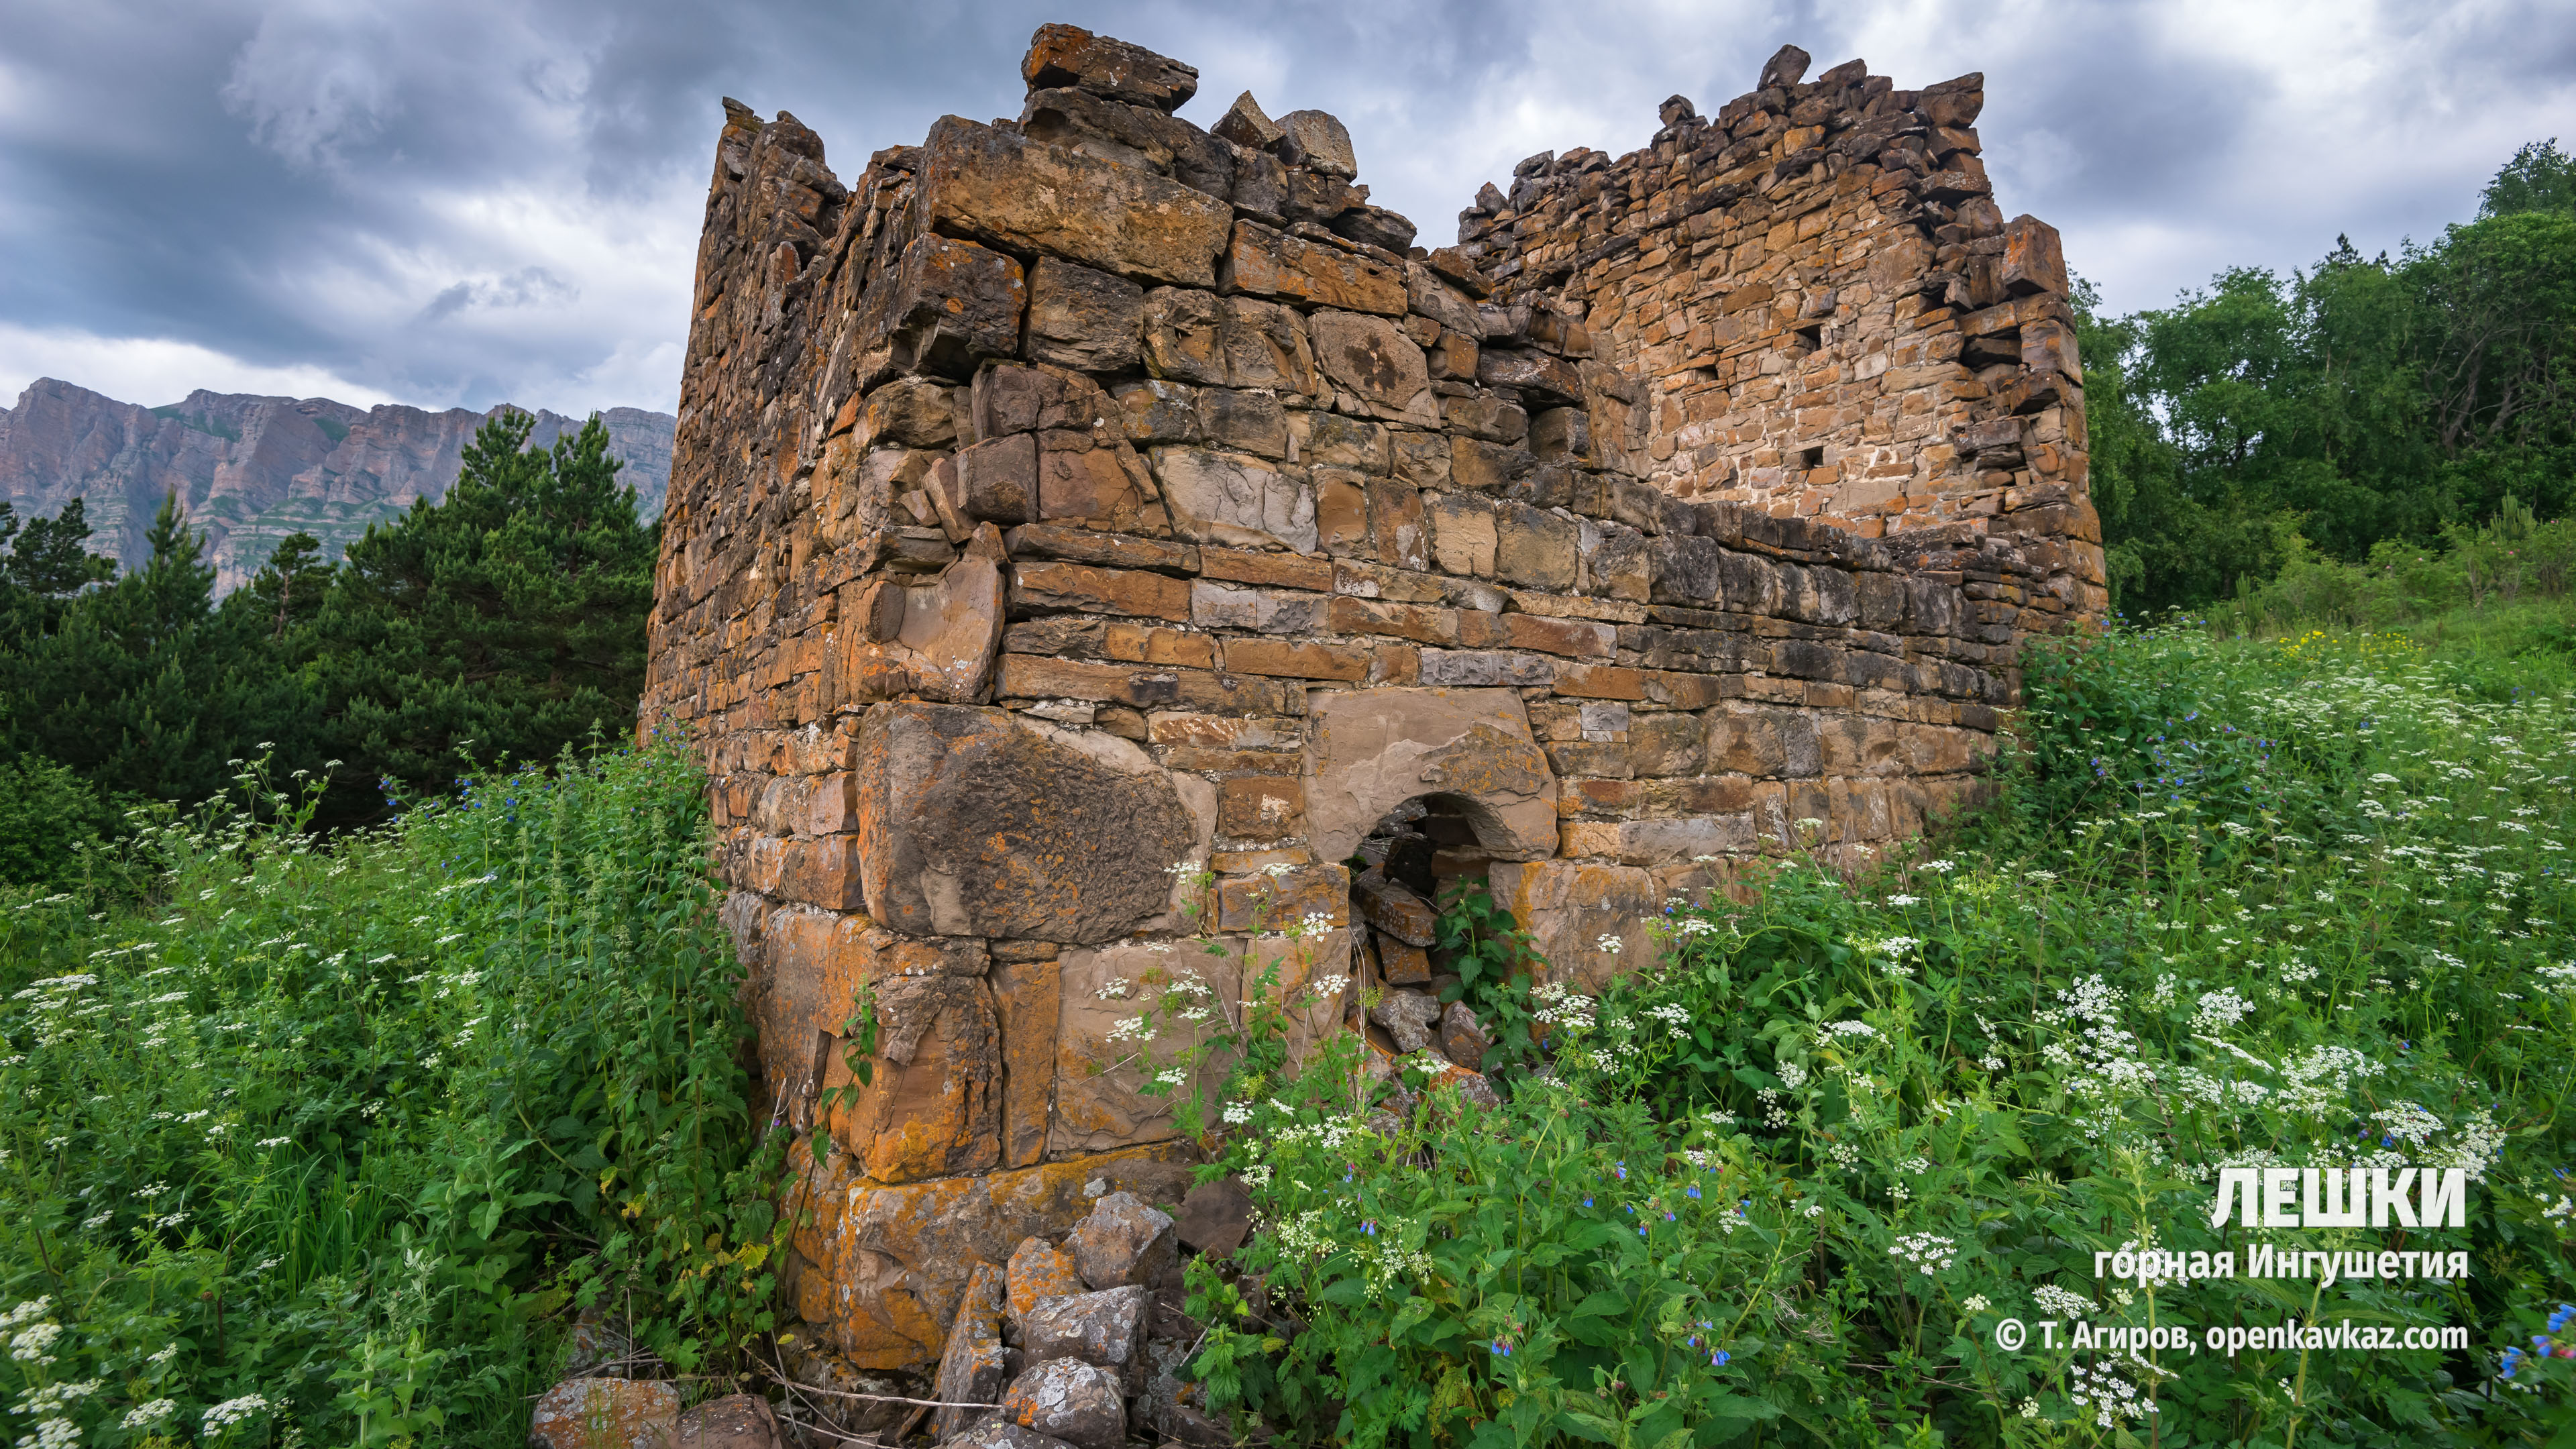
pixel 251 470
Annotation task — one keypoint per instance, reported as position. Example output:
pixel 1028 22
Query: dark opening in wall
pixel 1423 851
pixel 1811 339
pixel 1806 458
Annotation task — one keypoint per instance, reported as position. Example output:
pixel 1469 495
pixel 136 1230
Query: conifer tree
pixel 508 618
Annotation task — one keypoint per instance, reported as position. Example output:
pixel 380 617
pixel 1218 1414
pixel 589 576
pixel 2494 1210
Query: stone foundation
pixel 1067 498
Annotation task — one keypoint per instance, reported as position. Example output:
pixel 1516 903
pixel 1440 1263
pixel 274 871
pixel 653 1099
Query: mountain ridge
pixel 251 469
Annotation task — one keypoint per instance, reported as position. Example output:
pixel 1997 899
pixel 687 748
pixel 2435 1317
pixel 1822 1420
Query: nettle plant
pixel 2236 906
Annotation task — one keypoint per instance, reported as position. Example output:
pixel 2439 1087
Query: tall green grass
pixel 332 1142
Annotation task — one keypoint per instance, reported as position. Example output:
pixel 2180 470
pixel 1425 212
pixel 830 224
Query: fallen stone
pixel 736 1421
pixel 1402 963
pixel 1472 1088
pixel 1039 1271
pixel 1216 1217
pixel 1171 1404
pixel 1001 1433
pixel 1105 1329
pixel 1125 1241
pixel 973 1370
pixel 1193 1428
pixel 1067 55
pixel 1317 141
pixel 1463 1039
pixel 1395 910
pixel 1067 1399
pixel 606 1414
pixel 1409 1017
pixel 893 1260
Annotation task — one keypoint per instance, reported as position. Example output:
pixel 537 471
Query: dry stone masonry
pixel 1076 495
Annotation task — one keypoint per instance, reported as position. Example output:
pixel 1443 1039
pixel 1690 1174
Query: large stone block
pixel 1130 135
pixel 1025 994
pixel 944 306
pixel 936 641
pixel 1541 373
pixel 1535 548
pixel 1570 905
pixel 1236 499
pixel 934 1105
pixel 1462 534
pixel 1068 55
pixel 1270 263
pixel 1005 191
pixel 1103 1065
pixel 1318 141
pixel 1370 750
pixel 2034 259
pixel 1193 336
pixel 896 1257
pixel 1764 741
pixel 1372 359
pixel 1082 318
pixel 979 822
pixel 973 1369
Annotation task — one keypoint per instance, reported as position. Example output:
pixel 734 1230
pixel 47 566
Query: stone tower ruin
pixel 1065 498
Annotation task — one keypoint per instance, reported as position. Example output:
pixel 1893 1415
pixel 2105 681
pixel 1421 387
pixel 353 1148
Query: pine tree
pixel 288 592
pixel 507 619
pixel 144 689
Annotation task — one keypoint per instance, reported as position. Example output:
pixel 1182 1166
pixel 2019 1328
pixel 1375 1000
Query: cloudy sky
pixel 472 201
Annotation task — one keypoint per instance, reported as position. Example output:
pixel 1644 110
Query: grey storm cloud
pixel 475 200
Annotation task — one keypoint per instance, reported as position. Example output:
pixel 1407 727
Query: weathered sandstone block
pixel 1367 754
pixel 975 823
pixel 996 188
pixel 1066 55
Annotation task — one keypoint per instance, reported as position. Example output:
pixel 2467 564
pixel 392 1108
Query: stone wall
pixel 1070 497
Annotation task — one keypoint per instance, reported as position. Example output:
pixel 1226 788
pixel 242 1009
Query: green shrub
pixel 49 820
pixel 340 1140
